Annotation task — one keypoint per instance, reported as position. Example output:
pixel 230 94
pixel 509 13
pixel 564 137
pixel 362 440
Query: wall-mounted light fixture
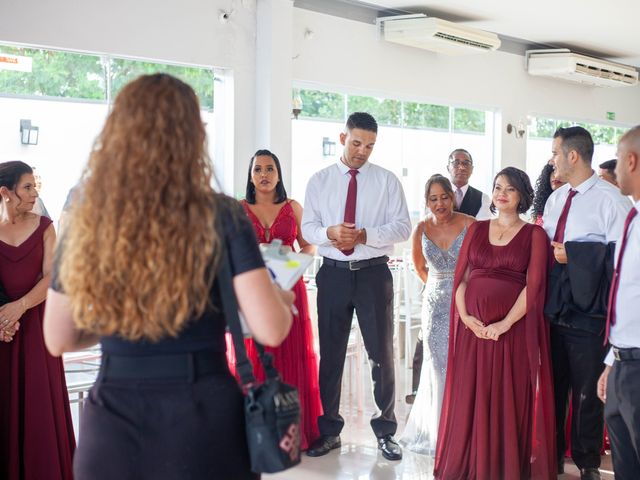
pixel 296 104
pixel 328 147
pixel 28 133
pixel 518 130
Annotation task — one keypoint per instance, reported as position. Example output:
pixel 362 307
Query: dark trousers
pixel 370 292
pixel 622 413
pixel 164 429
pixel 416 368
pixel 577 358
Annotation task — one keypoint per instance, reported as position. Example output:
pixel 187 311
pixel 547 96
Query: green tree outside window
pixel 200 79
pixel 318 104
pixel 56 74
pixel 468 121
pixel 385 111
pixel 422 115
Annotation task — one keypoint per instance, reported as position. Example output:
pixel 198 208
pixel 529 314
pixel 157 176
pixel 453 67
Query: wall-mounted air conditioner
pixel 565 65
pixel 437 35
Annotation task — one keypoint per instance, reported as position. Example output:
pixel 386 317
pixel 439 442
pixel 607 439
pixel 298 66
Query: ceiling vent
pixel 573 67
pixel 437 35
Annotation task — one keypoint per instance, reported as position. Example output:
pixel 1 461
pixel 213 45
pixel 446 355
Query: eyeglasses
pixel 461 163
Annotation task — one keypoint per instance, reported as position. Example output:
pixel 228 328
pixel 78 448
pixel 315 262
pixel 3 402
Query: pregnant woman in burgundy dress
pixel 493 426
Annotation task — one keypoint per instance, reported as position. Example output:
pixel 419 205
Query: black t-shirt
pixel 206 332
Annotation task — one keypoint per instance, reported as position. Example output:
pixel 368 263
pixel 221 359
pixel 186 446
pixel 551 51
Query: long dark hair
pixel 250 194
pixel 542 192
pixel 520 181
pixel 11 172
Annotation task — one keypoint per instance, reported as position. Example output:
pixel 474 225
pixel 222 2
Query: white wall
pixel 349 55
pixel 187 31
pixel 342 53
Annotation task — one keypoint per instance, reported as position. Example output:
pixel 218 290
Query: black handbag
pixel 272 409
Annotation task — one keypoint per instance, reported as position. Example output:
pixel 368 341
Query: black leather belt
pixel 355 265
pixel 187 366
pixel 623 354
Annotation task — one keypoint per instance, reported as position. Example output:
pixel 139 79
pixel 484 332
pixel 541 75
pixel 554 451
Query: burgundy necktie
pixel 562 221
pixel 350 206
pixel 613 293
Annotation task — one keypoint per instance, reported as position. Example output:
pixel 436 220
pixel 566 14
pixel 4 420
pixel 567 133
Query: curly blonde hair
pixel 141 249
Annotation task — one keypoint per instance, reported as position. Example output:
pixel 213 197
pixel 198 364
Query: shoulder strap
pixel 230 310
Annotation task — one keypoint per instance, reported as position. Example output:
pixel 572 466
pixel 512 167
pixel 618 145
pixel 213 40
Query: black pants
pixel 163 429
pixel 622 413
pixel 370 292
pixel 416 369
pixel 577 358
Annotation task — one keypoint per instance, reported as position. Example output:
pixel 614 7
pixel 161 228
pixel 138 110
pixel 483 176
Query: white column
pixel 274 52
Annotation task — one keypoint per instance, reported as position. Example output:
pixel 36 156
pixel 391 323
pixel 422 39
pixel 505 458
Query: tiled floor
pixel 358 459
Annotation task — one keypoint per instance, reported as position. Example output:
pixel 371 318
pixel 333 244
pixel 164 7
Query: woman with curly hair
pixel 137 270
pixel 497 417
pixel 546 184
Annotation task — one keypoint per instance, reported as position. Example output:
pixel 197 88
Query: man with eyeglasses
pixel 467 199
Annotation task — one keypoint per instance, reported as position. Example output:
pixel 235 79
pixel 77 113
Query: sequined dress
pixel 422 425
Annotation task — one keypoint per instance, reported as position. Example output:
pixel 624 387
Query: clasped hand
pixel 10 313
pixel 343 236
pixel 486 332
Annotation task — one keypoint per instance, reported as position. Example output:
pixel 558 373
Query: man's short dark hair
pixel 363 121
pixel 578 139
pixel 609 165
pixel 460 150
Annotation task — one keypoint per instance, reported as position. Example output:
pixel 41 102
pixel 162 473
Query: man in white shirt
pixel 581 218
pixel 467 200
pixel 619 384
pixel 355 212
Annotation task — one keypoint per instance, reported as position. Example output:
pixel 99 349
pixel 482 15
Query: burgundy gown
pixel 497 418
pixel 36 432
pixel 295 358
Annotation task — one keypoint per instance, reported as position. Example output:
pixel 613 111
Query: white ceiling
pixel 608 29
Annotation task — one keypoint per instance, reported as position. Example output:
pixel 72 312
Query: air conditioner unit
pixel 565 65
pixel 437 35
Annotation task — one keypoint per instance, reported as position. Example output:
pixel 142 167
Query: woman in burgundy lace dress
pixel 36 432
pixel 273 215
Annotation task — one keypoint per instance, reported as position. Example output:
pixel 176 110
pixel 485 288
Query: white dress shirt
pixel 381 209
pixel 484 213
pixel 625 333
pixel 597 212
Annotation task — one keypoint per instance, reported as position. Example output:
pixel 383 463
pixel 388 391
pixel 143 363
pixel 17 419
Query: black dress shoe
pixel 589 474
pixel 324 445
pixel 389 448
pixel 561 466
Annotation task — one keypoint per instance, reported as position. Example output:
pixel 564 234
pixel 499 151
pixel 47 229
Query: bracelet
pixel 23 302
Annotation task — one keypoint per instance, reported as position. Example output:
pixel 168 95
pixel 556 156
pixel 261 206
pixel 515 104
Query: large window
pixel 414 139
pixel 541 130
pixel 67 95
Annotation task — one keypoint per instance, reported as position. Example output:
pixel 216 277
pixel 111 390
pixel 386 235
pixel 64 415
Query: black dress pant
pixel 577 357
pixel 369 292
pixel 164 429
pixel 416 370
pixel 622 413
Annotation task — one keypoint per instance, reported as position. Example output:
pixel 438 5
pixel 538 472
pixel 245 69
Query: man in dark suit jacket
pixel 468 200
